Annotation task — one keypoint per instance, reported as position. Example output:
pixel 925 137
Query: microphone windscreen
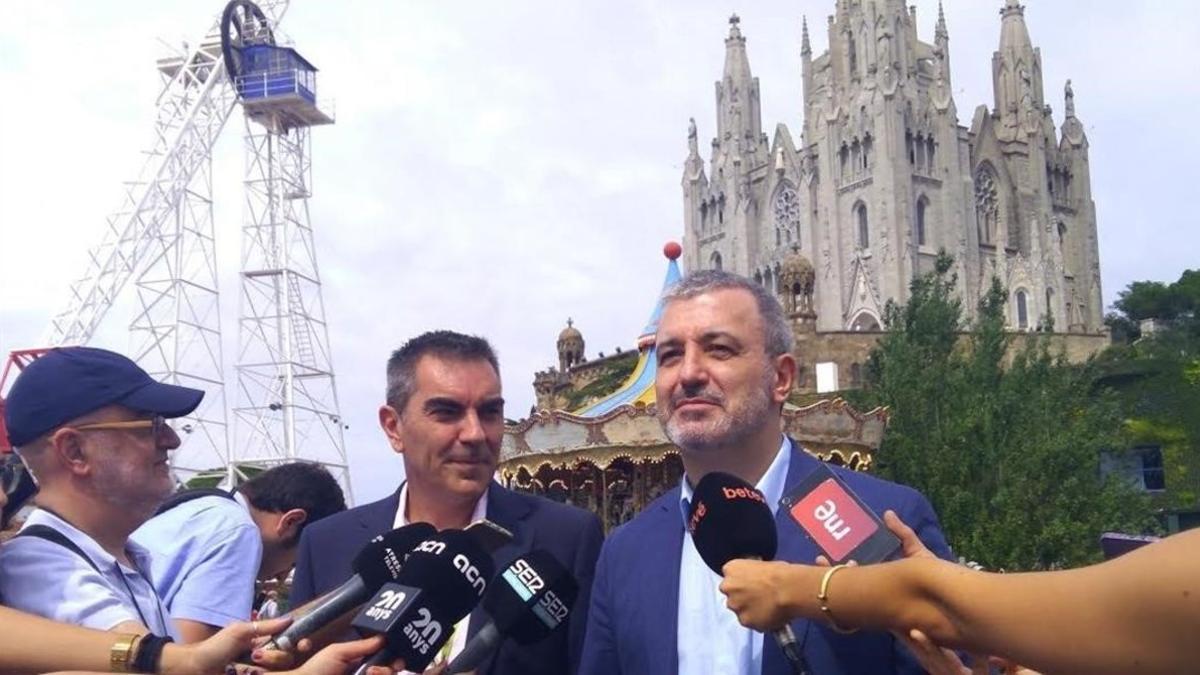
pixel 453 568
pixel 532 597
pixel 381 560
pixel 730 519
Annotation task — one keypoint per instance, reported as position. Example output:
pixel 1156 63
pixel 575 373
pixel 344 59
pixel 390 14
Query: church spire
pixel 1016 71
pixel 940 33
pixel 739 117
pixel 805 47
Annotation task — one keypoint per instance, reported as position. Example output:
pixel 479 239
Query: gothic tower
pixel 883 176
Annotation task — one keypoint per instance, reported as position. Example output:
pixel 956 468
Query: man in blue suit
pixel 725 368
pixel 444 414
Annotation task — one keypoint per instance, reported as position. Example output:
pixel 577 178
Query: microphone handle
pixel 383 657
pixel 323 610
pixel 785 637
pixel 477 650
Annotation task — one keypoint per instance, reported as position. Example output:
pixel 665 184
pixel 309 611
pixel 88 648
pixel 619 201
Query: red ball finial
pixel 672 250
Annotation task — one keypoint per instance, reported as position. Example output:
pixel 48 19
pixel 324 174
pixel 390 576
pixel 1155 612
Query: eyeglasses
pixel 157 425
pixel 12 471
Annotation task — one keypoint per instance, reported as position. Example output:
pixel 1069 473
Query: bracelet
pixel 823 599
pixel 120 655
pixel 149 653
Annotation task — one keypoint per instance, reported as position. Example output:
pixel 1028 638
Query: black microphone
pixel 380 561
pixel 442 581
pixel 730 520
pixel 529 600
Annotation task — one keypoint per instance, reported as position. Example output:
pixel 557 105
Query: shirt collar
pixel 401 519
pixel 139 555
pixel 771 484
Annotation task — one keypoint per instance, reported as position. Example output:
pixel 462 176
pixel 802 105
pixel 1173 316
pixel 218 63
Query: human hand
pixel 910 544
pixel 339 658
pixel 754 590
pixel 937 660
pixel 212 655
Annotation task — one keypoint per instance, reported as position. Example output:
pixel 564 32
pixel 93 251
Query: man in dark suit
pixel 444 414
pixel 725 368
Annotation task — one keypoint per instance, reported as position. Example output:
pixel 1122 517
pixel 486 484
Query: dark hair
pixel 777 335
pixel 445 344
pixel 298 485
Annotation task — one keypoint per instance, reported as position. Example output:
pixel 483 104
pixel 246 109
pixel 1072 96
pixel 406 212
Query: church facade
pixel 884 176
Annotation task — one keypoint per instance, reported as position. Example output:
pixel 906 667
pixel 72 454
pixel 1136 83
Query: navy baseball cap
pixel 69 382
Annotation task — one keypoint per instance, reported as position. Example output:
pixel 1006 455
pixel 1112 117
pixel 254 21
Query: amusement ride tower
pixel 163 237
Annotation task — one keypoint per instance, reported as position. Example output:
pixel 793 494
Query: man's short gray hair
pixel 777 334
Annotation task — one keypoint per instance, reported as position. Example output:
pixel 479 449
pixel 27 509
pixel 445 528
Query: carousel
pixel 612 457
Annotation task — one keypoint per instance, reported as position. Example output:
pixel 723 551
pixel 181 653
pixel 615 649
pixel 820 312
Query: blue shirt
pixel 48 579
pixel 710 639
pixel 206 555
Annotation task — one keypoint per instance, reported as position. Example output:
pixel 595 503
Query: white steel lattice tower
pixel 163 236
pixel 286 406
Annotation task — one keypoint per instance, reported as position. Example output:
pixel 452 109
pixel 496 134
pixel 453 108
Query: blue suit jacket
pixel 572 535
pixel 633 626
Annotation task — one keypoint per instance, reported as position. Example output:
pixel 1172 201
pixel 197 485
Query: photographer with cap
pixel 91 427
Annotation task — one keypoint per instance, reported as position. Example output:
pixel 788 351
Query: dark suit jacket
pixel 633 626
pixel 572 535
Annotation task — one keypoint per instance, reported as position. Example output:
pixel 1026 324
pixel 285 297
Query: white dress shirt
pixel 459 639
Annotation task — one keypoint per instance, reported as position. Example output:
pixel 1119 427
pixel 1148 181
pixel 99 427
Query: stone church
pixel 883 176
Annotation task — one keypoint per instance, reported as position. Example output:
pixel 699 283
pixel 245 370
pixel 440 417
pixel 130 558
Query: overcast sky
pixel 499 166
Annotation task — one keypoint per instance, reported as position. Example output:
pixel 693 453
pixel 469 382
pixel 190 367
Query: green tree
pixel 1008 452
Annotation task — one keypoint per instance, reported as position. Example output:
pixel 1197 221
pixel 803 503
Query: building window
pixel 1142 467
pixel 864 230
pixel 921 204
pixel 827 377
pixel 1022 311
pixel 714 262
pixel 787 213
pixel 987 204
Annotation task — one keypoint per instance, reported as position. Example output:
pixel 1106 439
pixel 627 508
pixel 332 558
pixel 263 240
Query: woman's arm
pixel 1138 613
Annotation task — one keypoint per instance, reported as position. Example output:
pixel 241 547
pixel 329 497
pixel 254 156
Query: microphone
pixel 729 519
pixel 528 601
pixel 442 581
pixel 380 561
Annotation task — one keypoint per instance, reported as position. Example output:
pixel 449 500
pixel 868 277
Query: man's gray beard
pixel 734 430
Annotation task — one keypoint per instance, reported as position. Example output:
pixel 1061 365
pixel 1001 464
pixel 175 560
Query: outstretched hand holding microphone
pixel 730 520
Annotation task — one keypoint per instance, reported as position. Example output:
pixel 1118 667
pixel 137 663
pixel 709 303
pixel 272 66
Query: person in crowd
pixel 444 414
pixel 34 644
pixel 1139 613
pixel 209 546
pixel 724 370
pixel 91 426
pixel 270 607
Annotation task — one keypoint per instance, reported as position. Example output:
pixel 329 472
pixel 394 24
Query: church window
pixel 778 237
pixel 1050 304
pixel 929 153
pixel 987 205
pixel 844 155
pixel 787 213
pixel 1022 311
pixel 908 141
pixel 856 156
pixel 703 216
pixel 921 204
pixel 758 278
pixel 866 154
pixel 853 55
pixel 721 210
pixel 769 280
pixel 714 261
pixel 864 231
pixel 920 155
pixel 1062 233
